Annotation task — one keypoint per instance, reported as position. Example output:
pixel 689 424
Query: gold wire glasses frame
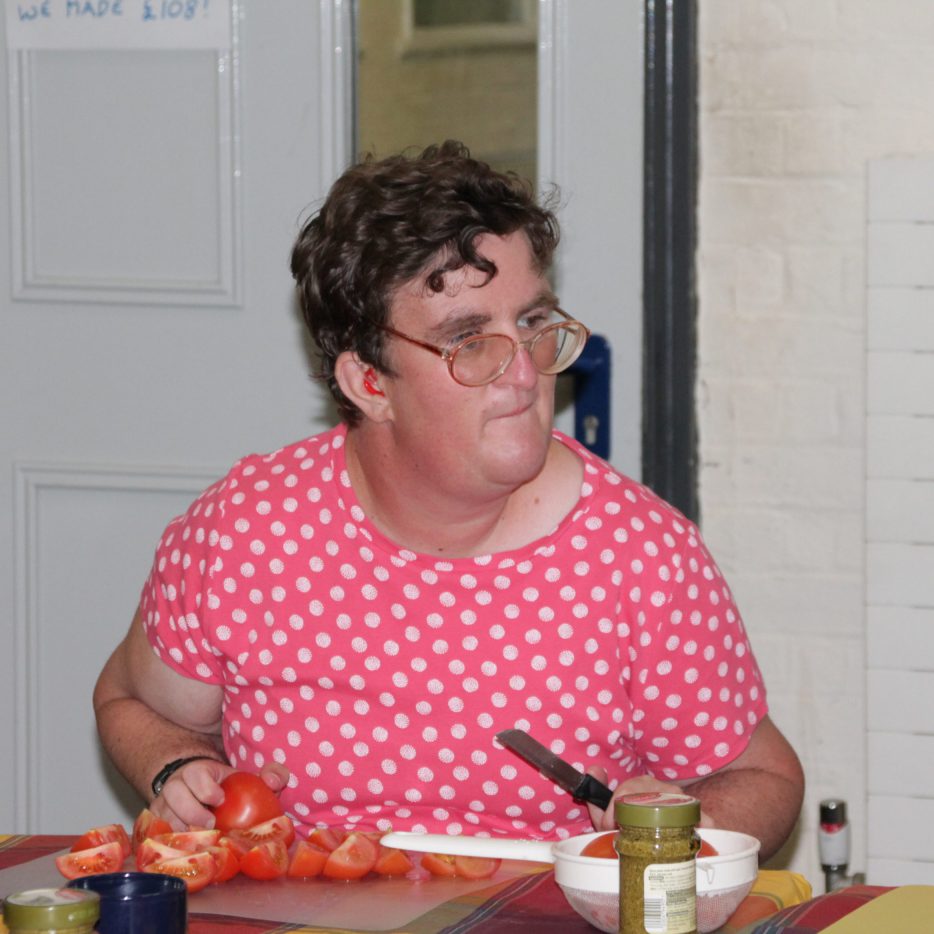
pixel 483 358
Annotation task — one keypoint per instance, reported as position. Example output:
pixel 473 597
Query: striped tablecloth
pixel 530 902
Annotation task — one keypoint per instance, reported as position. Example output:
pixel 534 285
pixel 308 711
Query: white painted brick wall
pixel 796 97
pixel 900 518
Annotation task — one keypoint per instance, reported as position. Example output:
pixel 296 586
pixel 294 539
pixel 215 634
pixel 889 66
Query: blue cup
pixel 138 902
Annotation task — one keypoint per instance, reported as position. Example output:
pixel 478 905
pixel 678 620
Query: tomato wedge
pixel 98 836
pixel 307 861
pixel 226 863
pixel 248 801
pixel 601 846
pixel 279 828
pixel 148 825
pixel 353 859
pixel 189 841
pixel 439 864
pixel 392 862
pixel 268 860
pixel 237 847
pixel 196 870
pixel 152 851
pixel 108 857
pixel 328 838
pixel 475 867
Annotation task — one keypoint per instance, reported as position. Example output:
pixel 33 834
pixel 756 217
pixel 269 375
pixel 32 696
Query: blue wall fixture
pixel 592 380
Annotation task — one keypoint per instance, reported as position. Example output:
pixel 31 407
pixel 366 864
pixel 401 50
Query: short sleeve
pixel 178 596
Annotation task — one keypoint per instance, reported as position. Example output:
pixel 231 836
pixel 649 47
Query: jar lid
pixel 657 809
pixel 51 909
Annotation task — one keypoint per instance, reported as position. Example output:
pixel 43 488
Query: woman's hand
pixel 605 820
pixel 190 793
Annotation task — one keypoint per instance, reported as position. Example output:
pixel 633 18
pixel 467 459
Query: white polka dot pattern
pixel 379 677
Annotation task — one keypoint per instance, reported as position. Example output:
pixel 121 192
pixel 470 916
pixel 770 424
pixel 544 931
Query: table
pixel 528 900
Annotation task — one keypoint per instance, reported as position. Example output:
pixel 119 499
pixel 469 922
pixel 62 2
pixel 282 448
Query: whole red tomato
pixel 602 846
pixel 248 801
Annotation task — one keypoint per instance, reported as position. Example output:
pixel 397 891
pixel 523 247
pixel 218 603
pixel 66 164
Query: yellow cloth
pixel 908 909
pixel 773 890
pixel 790 887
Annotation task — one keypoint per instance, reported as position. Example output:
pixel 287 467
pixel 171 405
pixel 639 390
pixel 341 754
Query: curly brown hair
pixel 386 221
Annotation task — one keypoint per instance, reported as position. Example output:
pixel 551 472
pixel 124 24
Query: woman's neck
pixel 468 523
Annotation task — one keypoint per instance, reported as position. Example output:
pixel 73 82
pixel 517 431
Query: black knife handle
pixel 594 791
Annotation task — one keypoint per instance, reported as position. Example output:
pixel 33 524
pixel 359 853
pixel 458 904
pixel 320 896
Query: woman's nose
pixel 521 370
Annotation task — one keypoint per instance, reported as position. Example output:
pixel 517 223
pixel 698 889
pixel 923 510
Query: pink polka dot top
pixel 379 676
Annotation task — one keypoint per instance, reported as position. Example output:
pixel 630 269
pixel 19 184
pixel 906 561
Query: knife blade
pixel 580 786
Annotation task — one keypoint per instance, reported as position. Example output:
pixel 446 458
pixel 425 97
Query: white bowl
pixel 591 884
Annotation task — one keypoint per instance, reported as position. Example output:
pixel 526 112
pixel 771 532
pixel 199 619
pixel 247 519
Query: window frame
pixel 435 40
pixel 669 416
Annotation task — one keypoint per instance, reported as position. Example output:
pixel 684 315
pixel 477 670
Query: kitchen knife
pixel 577 784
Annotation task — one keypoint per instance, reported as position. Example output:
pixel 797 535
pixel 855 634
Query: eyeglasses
pixel 478 360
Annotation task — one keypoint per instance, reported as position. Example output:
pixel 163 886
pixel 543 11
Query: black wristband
pixel 158 783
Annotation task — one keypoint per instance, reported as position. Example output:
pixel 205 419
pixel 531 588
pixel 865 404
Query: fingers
pixel 601 820
pixel 189 794
pixel 605 820
pixel 275 775
pixel 643 783
pixel 203 777
pixel 161 808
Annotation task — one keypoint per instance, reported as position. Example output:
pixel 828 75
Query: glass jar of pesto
pixel 657 843
pixel 51 911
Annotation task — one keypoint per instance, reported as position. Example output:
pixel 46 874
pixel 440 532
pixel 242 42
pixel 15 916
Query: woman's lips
pixel 517 409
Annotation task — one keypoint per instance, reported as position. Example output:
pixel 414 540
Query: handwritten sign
pixel 118 24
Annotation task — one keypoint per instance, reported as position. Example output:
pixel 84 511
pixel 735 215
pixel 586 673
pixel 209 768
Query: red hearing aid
pixel 369 383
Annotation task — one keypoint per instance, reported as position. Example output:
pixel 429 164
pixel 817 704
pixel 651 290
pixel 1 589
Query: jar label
pixel 670 898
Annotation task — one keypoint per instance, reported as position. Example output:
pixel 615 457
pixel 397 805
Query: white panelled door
pixel 151 192
pixel 149 339
pixel 590 144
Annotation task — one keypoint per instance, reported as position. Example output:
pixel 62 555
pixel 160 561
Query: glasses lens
pixel 481 359
pixel 558 346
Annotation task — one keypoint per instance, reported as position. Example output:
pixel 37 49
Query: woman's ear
pixel 360 382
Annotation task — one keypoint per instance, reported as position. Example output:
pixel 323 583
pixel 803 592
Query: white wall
pixel 900 518
pixel 796 97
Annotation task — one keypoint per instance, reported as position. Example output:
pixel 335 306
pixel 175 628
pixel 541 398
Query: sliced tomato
pixel 307 861
pixel 237 847
pixel 279 828
pixel 602 846
pixel 268 860
pixel 189 841
pixel 392 862
pixel 328 838
pixel 152 851
pixel 476 867
pixel 707 849
pixel 98 836
pixel 353 859
pixel 439 864
pixel 148 825
pixel 108 857
pixel 226 863
pixel 248 801
pixel 196 870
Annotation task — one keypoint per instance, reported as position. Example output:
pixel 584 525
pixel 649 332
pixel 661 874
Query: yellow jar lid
pixel 51 909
